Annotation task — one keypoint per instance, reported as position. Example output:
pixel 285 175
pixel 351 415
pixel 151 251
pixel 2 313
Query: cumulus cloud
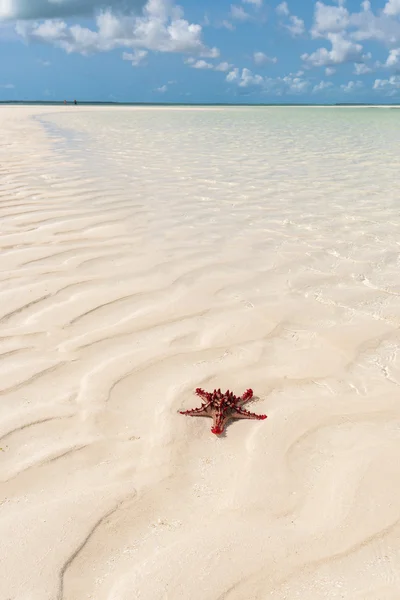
pixel 393 83
pixel 293 24
pixel 342 51
pixel 262 59
pixel 392 8
pixel 136 57
pixel 329 19
pixel 256 3
pixel 223 67
pixel 361 69
pixel 363 25
pixel 160 28
pixel 248 79
pixel 322 86
pixel 228 25
pixel 239 14
pixel 352 86
pixel 50 9
pixel 393 60
pixel 330 71
pixel 283 9
pixel 244 79
pixel 232 75
pixel 296 25
pixel 162 89
pixel 7 86
pixel 202 64
pixel 380 27
pixel 294 84
pixel 290 84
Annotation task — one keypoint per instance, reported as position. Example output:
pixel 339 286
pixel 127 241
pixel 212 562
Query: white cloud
pixel 232 75
pixel 223 67
pixel 296 25
pixel 249 79
pixel 239 14
pixel 342 51
pixel 382 28
pixel 294 84
pixel 161 28
pixel 50 9
pixel 244 79
pixel 329 19
pixel 49 31
pixel 136 57
pixel 392 8
pixel 202 64
pixel 393 60
pixel 361 69
pixel 261 59
pixel 283 9
pixel 384 84
pixel 330 71
pixel 256 3
pixel 164 88
pixel 7 86
pixel 322 86
pixel 290 84
pixel 228 25
pixel 352 86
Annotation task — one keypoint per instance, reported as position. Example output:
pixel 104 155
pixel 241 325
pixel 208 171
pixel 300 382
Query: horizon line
pixel 127 103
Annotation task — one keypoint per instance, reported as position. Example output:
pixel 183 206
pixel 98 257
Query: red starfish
pixel 222 407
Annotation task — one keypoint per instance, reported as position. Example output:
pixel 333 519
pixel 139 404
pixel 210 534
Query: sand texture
pixel 147 252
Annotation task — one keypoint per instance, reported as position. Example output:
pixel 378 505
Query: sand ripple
pixel 145 253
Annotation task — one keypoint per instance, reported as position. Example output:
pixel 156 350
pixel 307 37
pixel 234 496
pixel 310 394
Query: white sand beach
pixel 146 252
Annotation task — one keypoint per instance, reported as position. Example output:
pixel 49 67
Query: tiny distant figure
pixel 75 102
pixel 65 102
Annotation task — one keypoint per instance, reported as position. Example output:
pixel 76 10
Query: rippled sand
pixel 146 252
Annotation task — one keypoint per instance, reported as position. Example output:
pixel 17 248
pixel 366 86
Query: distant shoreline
pixel 183 104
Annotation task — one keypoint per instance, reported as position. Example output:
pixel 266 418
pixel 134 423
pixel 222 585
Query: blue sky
pixel 244 51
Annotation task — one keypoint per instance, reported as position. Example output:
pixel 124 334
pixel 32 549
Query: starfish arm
pixel 196 412
pixel 207 396
pixel 219 421
pixel 241 413
pixel 247 395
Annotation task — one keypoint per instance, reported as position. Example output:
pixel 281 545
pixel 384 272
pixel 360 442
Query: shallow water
pixel 146 252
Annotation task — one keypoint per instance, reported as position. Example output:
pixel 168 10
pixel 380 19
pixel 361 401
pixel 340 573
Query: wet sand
pixel 145 253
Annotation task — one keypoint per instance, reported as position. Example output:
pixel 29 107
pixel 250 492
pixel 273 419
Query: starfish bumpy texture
pixel 222 407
